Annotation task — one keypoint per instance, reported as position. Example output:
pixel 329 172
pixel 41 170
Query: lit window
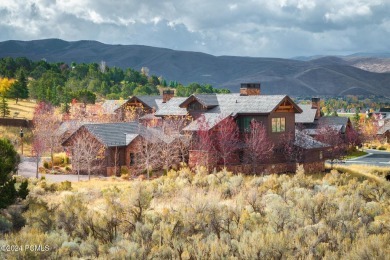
pixel 278 124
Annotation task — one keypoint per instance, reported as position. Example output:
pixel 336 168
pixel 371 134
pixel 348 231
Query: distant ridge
pixel 320 75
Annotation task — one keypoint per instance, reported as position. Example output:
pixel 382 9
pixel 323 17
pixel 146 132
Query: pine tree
pixel 19 88
pixel 8 162
pixel 4 109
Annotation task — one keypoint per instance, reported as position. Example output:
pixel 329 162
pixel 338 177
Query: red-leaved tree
pixel 293 148
pixel 204 142
pixel 258 146
pixel 331 136
pixel 227 139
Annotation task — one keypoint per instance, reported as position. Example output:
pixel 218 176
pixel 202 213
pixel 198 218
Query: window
pixel 278 124
pixel 132 159
pixel 244 124
pixel 321 156
pixel 194 106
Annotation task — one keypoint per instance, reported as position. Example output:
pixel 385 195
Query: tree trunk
pixel 89 172
pixel 36 175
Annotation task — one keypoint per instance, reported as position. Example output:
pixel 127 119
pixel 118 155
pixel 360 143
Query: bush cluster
pixel 187 215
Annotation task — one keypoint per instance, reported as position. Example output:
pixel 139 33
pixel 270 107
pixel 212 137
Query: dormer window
pixel 195 106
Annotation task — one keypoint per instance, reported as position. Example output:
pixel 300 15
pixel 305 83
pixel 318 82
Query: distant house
pixel 310 120
pixel 384 131
pixel 385 112
pixel 120 142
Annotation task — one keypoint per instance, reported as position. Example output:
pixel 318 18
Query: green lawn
pixel 355 154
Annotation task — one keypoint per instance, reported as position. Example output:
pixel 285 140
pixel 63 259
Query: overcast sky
pixel 262 28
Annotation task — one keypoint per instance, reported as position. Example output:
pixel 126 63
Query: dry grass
pixel 12 133
pixel 368 172
pixel 100 184
pixel 24 107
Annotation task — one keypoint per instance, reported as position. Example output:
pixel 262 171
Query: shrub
pixel 65 185
pixel 23 189
pixel 124 170
pixel 68 169
pixel 46 165
pixel 382 148
pixel 57 160
pixel 5 225
pixel 125 176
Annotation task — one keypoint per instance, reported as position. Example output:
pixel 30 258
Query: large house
pixel 278 114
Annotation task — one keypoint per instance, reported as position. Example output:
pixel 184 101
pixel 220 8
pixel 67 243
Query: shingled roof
pixel 149 101
pixel 171 108
pixel 112 134
pixel 122 134
pixel 307 142
pixel 235 104
pixel 307 116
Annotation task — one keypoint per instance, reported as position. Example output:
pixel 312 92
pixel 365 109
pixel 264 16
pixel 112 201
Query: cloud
pixel 278 28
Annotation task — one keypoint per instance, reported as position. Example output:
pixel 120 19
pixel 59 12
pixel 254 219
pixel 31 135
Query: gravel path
pixel 27 168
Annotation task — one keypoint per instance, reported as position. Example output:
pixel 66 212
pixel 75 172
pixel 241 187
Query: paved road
pixel 374 157
pixel 27 168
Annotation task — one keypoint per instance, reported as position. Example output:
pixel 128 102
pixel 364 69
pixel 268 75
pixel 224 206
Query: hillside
pixel 321 76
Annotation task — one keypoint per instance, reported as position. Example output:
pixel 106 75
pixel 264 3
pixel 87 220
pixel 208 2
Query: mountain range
pixel 360 74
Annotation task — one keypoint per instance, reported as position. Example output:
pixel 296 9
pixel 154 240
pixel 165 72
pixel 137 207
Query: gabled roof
pixel 307 116
pixel 122 134
pixel 307 142
pixel 207 100
pixel 333 120
pixel 149 102
pixel 112 134
pixel 172 108
pixel 110 106
pixel 236 104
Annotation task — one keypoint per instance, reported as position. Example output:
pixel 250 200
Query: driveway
pixel 374 157
pixel 27 168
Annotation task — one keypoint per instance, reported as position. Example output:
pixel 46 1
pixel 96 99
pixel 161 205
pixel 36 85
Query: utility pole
pixel 21 138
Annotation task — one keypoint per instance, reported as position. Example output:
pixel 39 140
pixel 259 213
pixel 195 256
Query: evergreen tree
pixel 8 163
pixel 19 88
pixel 4 109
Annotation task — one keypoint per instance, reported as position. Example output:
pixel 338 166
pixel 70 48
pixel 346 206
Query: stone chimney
pixel 167 95
pixel 250 89
pixel 315 104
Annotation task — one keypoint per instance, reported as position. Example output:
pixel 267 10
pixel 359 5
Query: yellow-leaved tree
pixel 5 84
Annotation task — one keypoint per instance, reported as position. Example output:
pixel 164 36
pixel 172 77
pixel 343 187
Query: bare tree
pixel 46 125
pixel 148 155
pixel 87 151
pixel 38 148
pixel 173 126
pixel 227 139
pixel 258 146
pixel 169 154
